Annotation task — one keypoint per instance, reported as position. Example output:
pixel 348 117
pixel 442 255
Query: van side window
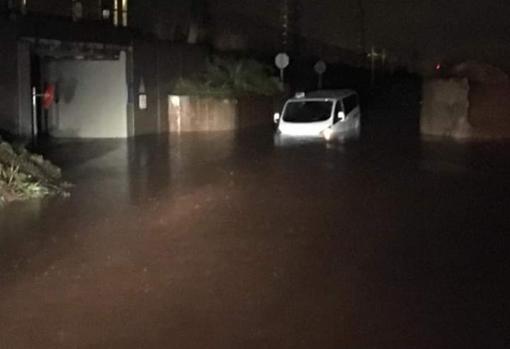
pixel 338 108
pixel 350 103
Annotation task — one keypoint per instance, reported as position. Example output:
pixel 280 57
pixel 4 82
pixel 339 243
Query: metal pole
pixel 34 112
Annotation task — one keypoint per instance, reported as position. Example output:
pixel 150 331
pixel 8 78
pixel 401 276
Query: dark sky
pixel 428 29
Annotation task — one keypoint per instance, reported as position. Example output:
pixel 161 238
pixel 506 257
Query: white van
pixel 327 114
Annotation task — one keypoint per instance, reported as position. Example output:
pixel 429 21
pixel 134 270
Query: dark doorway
pixel 38 86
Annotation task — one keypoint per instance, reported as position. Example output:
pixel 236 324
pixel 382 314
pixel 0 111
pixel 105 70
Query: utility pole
pixel 373 56
pixel 290 12
pixel 285 23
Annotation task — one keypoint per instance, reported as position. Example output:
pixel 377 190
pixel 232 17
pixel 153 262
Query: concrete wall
pixel 15 98
pixel 159 64
pixel 9 84
pixel 206 114
pixel 489 99
pixel 50 7
pixel 445 108
pixel 463 110
pixel 93 98
pixel 91 8
pixel 489 112
pixel 163 19
pixel 198 114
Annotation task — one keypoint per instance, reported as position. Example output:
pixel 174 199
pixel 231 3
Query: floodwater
pixel 227 241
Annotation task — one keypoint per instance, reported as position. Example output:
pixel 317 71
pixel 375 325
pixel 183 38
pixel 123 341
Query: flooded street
pixel 227 241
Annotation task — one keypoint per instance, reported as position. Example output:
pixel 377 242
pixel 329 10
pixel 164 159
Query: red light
pixel 438 66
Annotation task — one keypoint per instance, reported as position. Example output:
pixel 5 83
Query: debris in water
pixel 25 176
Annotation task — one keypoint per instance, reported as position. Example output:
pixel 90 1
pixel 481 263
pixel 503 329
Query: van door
pixel 338 125
pixel 357 113
pixel 352 111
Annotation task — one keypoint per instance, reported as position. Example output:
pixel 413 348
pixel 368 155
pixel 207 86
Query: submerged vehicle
pixel 327 114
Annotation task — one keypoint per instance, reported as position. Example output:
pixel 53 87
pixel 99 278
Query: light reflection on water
pixel 114 176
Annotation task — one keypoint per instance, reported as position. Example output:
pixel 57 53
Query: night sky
pixel 412 29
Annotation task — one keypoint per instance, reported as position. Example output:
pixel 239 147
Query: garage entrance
pixel 91 93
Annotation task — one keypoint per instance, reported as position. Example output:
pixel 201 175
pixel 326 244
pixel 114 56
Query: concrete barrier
pixel 445 108
pixel 473 106
pixel 489 112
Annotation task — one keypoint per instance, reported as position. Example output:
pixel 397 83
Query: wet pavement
pixel 226 241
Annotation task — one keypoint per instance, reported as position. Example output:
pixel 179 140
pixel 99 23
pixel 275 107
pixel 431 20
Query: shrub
pixel 26 176
pixel 231 78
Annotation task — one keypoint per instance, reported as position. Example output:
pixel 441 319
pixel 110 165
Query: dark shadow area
pixel 69 153
pixel 392 109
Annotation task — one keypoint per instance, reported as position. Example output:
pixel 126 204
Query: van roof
pixel 336 94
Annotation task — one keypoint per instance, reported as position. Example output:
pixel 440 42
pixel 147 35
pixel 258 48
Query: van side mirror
pixel 276 117
pixel 341 116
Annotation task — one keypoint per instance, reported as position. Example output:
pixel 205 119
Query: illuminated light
pixel 142 101
pixel 176 101
pixel 276 117
pixel 438 66
pixel 124 13
pixel 106 14
pixel 327 134
pixel 115 13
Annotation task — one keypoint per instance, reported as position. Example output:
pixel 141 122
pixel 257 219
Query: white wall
pixel 93 98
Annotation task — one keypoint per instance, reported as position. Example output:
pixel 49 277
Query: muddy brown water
pixel 227 241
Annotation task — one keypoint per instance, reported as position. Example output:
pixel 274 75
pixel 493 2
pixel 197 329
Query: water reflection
pixel 148 164
pixel 257 222
pixel 160 165
pixel 114 176
pixel 281 140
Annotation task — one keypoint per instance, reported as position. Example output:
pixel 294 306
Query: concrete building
pixel 112 62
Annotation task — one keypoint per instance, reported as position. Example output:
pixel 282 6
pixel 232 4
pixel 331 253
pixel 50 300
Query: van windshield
pixel 307 111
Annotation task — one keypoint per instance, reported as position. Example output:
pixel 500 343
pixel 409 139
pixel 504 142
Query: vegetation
pixel 24 175
pixel 225 77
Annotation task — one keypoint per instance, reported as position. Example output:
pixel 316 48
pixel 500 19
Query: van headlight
pixel 327 134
